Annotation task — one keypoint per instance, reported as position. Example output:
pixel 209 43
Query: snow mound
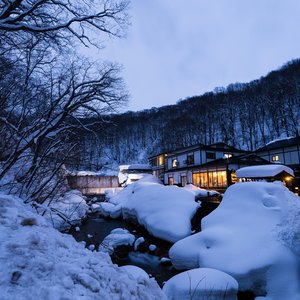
pixel 165 211
pixel 200 192
pixel 136 272
pixel 110 210
pixel 39 262
pixel 246 238
pixel 117 237
pixel 65 211
pixel 203 284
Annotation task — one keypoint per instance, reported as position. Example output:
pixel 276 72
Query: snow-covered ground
pixel 65 211
pixel 200 192
pixel 39 262
pixel 253 236
pixel 201 284
pixel 165 211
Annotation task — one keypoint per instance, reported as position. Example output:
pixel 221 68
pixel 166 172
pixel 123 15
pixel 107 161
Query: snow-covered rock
pixel 117 237
pixel 66 210
pixel 200 192
pixel 246 238
pixel 165 211
pixel 110 210
pixel 203 284
pixel 136 272
pixel 152 247
pixel 138 242
pixel 39 262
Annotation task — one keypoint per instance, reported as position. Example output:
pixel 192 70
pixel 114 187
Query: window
pixel 210 155
pixel 190 159
pixel 275 158
pixel 170 180
pixel 153 162
pixel 175 163
pixel 160 160
pixel 183 180
pixel 203 179
pixel 222 178
pixel 196 179
pixel 227 155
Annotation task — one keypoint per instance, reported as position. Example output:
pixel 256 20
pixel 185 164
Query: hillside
pixel 246 115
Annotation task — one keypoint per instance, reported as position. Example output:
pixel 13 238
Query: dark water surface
pixel 99 227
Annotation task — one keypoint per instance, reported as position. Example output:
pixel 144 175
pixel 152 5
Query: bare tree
pixel 46 91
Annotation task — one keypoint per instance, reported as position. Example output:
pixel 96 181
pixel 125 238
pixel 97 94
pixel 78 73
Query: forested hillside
pixel 245 115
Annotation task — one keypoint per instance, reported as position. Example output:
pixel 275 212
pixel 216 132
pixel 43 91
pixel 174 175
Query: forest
pixel 244 115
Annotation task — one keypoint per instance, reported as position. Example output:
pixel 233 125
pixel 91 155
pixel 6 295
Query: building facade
pixel 206 166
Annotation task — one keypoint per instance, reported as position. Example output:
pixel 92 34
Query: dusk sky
pixel 175 48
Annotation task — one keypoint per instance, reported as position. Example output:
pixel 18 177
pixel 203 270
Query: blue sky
pixel 176 48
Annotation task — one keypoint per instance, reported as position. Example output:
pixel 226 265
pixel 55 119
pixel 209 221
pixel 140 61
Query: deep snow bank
pixel 165 211
pixel 38 262
pixel 246 237
pixel 201 284
pixel 65 211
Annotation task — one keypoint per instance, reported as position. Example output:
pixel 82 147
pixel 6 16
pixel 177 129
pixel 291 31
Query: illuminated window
pixel 222 179
pixel 175 163
pixel 171 180
pixel 160 160
pixel 227 155
pixel 196 179
pixel 275 158
pixel 203 179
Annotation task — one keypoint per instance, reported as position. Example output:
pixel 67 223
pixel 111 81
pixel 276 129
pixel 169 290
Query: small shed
pixel 93 183
pixel 269 173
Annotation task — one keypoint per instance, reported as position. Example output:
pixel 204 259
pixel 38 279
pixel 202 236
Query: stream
pixel 95 228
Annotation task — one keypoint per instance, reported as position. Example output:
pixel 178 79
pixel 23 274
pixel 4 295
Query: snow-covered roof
pixel 263 171
pixel 135 167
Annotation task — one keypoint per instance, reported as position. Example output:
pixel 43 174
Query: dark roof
pixel 238 159
pixel 288 142
pixel 213 147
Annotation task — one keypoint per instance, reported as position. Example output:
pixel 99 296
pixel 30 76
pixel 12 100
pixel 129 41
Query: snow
pixel 136 272
pixel 199 191
pixel 282 137
pixel 131 173
pixel 165 211
pixel 247 236
pixel 117 237
pixel 72 207
pixel 39 262
pixel 152 247
pixel 203 283
pixel 263 171
pixel 138 242
pixel 135 167
pixel 110 210
pixel 104 171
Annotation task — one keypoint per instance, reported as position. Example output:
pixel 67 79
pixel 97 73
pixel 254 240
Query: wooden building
pixel 206 166
pixel 287 152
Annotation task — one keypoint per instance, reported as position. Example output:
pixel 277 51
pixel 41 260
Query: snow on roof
pixel 263 171
pixel 279 140
pixel 135 167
